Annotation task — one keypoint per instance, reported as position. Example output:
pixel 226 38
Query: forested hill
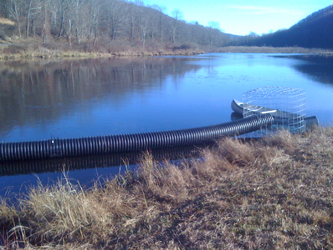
pixel 315 31
pixel 105 22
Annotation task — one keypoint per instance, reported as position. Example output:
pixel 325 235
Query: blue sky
pixel 241 17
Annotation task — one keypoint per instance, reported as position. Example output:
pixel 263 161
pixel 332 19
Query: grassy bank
pixel 43 53
pixel 36 49
pixel 274 193
pixel 266 49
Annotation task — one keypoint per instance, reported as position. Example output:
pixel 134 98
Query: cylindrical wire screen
pixel 286 105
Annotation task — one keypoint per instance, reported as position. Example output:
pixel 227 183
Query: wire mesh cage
pixel 286 105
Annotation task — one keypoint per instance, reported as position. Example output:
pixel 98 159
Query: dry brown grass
pixel 273 193
pixel 13 52
pixel 34 48
pixel 267 49
pixel 6 21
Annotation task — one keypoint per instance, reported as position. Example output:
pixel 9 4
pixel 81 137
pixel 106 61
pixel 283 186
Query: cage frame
pixel 286 104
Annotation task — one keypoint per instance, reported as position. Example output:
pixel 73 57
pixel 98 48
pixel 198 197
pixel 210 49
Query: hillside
pixel 315 31
pixel 105 26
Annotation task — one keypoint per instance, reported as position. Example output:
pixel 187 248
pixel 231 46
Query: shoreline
pixel 18 51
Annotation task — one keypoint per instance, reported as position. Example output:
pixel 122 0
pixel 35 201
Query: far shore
pixel 28 50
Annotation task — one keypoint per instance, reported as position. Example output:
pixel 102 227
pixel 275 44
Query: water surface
pixel 79 98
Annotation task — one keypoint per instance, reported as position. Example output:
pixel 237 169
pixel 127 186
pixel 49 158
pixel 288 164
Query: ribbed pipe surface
pixel 11 168
pixel 128 143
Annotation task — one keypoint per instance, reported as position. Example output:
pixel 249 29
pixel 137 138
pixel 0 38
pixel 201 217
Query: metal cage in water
pixel 287 106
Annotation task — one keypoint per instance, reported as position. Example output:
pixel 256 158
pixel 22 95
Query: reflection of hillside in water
pixel 44 91
pixel 317 68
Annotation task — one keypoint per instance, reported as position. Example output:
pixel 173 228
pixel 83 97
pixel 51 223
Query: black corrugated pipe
pixel 128 143
pixel 10 168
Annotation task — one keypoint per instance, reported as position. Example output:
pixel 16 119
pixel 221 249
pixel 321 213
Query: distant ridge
pixel 315 31
pixel 233 37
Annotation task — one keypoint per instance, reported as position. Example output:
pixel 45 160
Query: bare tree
pixel 115 17
pixel 144 28
pixel 15 13
pixel 125 20
pixel 131 20
pixel 95 15
pixel 161 13
pixel 177 15
pixel 46 30
pixel 33 7
pixel 62 7
pixel 77 15
pixel 213 31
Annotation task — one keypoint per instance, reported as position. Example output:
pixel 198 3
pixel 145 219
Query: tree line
pixel 104 21
pixel 314 31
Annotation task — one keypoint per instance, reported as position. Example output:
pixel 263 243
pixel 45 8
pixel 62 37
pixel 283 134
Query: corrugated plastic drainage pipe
pixel 129 142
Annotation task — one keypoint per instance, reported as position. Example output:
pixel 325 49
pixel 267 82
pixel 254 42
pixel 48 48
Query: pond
pixel 79 98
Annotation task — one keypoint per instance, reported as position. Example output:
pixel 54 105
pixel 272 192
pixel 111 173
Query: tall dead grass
pixel 267 49
pixel 6 21
pixel 272 193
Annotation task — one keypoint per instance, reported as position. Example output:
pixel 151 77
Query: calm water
pixel 62 99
